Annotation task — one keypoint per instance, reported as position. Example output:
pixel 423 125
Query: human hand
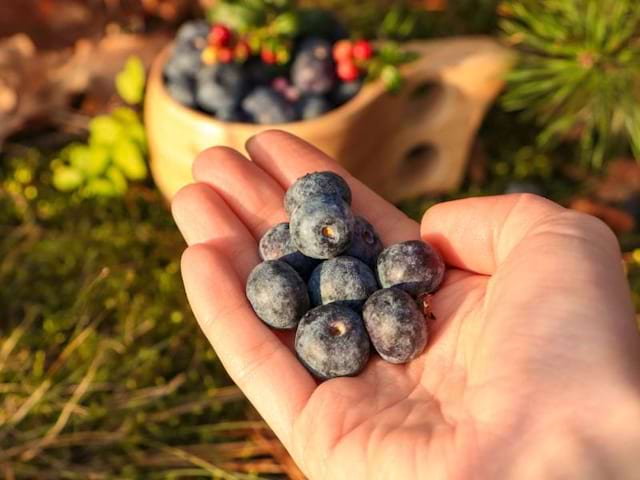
pixel 532 366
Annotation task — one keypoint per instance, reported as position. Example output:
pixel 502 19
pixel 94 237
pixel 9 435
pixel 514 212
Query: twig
pixel 224 394
pixel 9 344
pixel 145 395
pixel 217 472
pixel 68 409
pixel 67 440
pixel 42 389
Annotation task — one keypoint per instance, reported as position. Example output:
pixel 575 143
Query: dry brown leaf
pixel 36 84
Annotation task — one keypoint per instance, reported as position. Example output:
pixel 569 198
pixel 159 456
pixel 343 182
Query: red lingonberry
pixel 343 50
pixel 268 56
pixel 220 35
pixel 347 71
pixel 362 50
pixel 225 55
pixel 242 50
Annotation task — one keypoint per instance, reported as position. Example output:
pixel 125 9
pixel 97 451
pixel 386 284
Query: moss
pixel 103 369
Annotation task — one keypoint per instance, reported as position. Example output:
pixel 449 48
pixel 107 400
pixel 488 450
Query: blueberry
pixel 230 115
pixel 211 97
pixel 182 91
pixel 312 106
pixel 343 280
pixel 193 34
pixel 414 266
pixel 276 244
pixel 365 243
pixel 313 185
pixel 322 227
pixel 331 341
pixel 345 91
pixel 231 77
pixel 220 87
pixel 315 48
pixel 266 106
pixel 277 294
pixel 183 64
pixel 396 327
pixel 313 71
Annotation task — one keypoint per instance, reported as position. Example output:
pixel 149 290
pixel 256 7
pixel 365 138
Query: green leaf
pixel 392 53
pixel 392 21
pixel 100 187
pixel 129 159
pixel 67 179
pixel 237 16
pixel 391 77
pixel 117 179
pixel 104 130
pixel 374 68
pixel 132 126
pixel 78 156
pixel 286 24
pixel 125 115
pixel 130 81
pixel 90 160
pixel 138 134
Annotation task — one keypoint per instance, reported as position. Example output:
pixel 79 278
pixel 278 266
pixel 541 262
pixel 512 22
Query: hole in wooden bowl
pixel 417 161
pixel 426 96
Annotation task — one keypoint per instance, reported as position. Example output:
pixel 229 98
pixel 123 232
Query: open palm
pixel 533 318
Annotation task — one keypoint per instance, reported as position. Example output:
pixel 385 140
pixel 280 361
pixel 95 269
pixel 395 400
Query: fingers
pixel 477 234
pixel 203 217
pixel 260 364
pixel 253 195
pixel 286 158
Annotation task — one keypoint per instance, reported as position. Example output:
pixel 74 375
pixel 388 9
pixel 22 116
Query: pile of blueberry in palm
pixel 326 274
pixel 218 71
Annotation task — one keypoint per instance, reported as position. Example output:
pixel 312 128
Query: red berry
pixel 362 50
pixel 242 50
pixel 268 56
pixel 343 50
pixel 220 35
pixel 225 55
pixel 347 71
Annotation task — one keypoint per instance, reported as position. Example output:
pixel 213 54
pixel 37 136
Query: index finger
pixel 287 158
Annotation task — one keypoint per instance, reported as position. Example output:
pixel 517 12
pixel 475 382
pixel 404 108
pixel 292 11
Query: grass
pixel 103 371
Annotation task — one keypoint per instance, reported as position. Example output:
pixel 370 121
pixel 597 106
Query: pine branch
pixel 579 71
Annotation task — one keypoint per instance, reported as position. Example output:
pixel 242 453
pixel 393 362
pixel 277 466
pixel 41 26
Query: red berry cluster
pixel 351 58
pixel 224 47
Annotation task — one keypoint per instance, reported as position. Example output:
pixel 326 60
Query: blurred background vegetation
pixel 103 371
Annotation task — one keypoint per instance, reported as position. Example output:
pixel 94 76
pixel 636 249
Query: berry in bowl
pixel 399 117
pixel 262 78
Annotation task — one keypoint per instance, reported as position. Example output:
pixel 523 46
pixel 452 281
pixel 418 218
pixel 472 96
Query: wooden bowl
pixel 401 145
